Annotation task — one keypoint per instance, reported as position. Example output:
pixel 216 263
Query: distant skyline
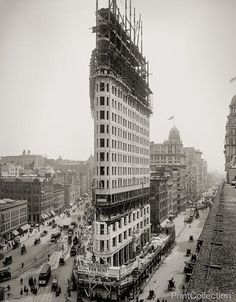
pixel 44 74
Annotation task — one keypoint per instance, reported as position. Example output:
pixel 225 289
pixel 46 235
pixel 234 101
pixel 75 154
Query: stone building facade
pixel 13 215
pixel 37 191
pixel 170 154
pixel 230 142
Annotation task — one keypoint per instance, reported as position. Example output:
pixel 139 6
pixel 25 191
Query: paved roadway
pixel 36 256
pixel 173 264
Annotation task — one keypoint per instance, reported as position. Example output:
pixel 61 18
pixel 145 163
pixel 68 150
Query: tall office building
pixel 120 104
pixel 230 142
pixel 170 154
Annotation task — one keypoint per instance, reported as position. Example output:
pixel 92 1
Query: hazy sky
pixel 45 48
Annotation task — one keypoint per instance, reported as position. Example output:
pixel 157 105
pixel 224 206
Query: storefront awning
pixel 15 233
pixel 165 223
pixel 25 227
pixel 52 212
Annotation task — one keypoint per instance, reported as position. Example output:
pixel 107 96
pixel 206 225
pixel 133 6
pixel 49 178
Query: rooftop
pixel 8 203
pixel 24 178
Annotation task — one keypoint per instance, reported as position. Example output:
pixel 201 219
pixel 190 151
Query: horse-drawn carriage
pixel 188 270
pixel 193 258
pixel 190 238
pixel 171 284
pixel 7 260
pixel 151 294
pixel 37 241
pixel 23 249
pixel 188 252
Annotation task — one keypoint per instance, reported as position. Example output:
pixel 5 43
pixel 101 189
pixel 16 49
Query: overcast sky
pixel 45 48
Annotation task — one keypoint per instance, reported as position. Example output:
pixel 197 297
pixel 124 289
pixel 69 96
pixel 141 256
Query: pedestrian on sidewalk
pixel 21 291
pixel 183 289
pixel 27 291
pixel 21 281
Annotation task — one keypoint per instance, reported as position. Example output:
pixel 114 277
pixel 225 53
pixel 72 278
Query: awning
pixel 15 233
pixel 25 227
pixel 45 216
pixel 42 216
pixel 165 223
pixel 48 214
pixel 52 212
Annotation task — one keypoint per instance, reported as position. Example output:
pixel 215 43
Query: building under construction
pixel 122 256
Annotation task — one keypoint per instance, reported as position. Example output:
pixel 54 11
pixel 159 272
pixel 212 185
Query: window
pixel 102 142
pixel 102 114
pixel 102 170
pixel 102 245
pixel 120 239
pixel 102 229
pixel 125 235
pixel 102 86
pixel 102 100
pixel 129 231
pixel 129 218
pixel 102 156
pixel 114 241
pixel 102 128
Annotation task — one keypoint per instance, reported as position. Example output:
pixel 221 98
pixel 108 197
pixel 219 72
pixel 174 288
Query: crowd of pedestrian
pixel 32 285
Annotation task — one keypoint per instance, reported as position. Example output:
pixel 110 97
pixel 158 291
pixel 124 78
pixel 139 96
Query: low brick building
pixel 13 215
pixel 38 191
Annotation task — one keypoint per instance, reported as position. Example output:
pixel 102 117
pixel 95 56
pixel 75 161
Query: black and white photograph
pixel 118 150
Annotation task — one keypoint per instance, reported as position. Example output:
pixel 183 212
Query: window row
pixel 116 118
pixel 121 183
pixel 104 171
pixel 104 143
pixel 121 158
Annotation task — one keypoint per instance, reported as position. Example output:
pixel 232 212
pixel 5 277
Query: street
pixel 173 264
pixel 37 255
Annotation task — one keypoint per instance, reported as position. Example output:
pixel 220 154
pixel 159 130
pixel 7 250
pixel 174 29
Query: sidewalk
pixel 179 224
pixel 173 264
